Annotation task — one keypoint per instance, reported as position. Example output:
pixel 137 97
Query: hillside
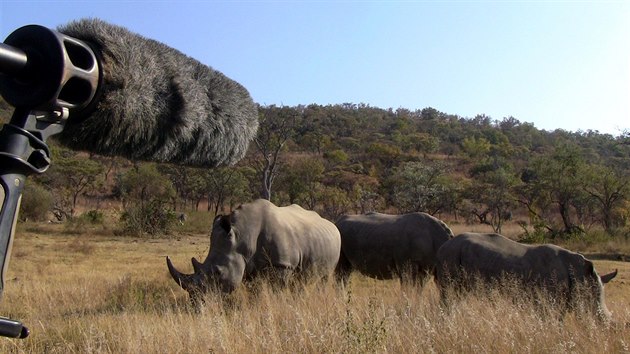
pixel 353 158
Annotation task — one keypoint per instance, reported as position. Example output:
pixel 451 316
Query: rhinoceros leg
pixel 343 269
pixel 414 274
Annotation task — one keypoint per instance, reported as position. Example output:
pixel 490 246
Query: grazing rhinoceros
pixel 471 259
pixel 261 238
pixel 384 246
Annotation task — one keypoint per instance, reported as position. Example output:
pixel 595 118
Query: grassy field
pixel 97 293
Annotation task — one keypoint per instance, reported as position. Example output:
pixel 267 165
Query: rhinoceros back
pixel 292 238
pixel 383 245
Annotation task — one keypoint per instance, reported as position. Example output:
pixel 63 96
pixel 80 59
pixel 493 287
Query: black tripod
pixel 46 76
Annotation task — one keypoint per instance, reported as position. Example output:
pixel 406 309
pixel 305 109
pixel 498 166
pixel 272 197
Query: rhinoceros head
pixel 596 284
pixel 223 268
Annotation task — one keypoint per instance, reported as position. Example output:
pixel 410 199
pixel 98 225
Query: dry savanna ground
pixel 97 293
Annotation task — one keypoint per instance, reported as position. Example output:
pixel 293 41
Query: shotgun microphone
pixel 130 96
pixel 103 89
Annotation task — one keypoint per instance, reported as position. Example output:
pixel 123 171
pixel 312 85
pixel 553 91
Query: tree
pixel 302 180
pixel 146 194
pixel 476 148
pixel 336 158
pixel 180 180
pixel 73 175
pixel 560 175
pixel 316 141
pixel 425 143
pixel 189 184
pixel 335 202
pixel 491 195
pixel 430 113
pixel 365 196
pixel 111 165
pixel 144 183
pixel 609 188
pixel 418 186
pixel 196 188
pixel 386 155
pixel 531 193
pixel 276 127
pixel 225 184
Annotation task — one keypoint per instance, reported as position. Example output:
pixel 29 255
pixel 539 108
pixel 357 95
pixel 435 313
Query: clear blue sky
pixel 557 64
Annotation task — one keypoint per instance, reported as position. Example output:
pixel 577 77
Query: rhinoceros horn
pixel 184 280
pixel 608 277
pixel 196 265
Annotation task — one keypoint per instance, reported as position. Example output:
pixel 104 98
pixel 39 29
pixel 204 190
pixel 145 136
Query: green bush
pixel 152 219
pixel 537 234
pixel 36 202
pixel 93 217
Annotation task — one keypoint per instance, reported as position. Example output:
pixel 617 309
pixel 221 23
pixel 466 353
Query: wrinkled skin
pixel 568 277
pixel 260 238
pixel 384 246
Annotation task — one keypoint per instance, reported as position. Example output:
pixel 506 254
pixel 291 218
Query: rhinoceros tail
pixel 447 230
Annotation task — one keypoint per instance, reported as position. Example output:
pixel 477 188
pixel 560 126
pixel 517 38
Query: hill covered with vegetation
pixel 354 158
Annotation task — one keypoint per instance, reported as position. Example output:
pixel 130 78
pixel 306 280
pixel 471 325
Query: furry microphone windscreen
pixel 157 104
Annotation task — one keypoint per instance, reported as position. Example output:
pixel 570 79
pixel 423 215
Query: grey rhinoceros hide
pixel 262 238
pixel 471 259
pixel 385 246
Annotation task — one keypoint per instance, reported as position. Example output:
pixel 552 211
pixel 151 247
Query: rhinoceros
pixel 261 238
pixel 385 246
pixel 471 259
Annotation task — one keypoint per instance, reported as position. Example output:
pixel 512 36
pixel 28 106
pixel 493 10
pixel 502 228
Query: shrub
pixel 153 219
pixel 36 203
pixel 93 217
pixel 366 335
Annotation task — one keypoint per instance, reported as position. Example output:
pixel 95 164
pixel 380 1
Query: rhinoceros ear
pixel 588 267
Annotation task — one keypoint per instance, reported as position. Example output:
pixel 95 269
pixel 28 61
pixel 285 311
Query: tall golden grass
pixel 104 294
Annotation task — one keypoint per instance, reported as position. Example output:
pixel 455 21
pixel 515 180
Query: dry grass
pixel 100 294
